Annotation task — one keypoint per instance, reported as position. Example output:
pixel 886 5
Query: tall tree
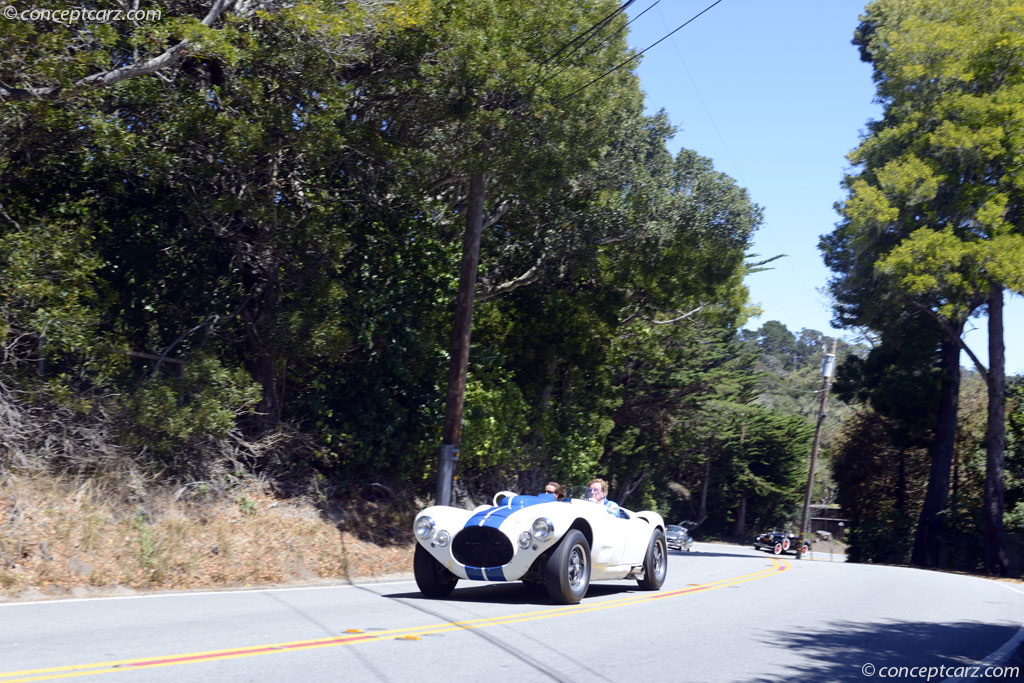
pixel 937 205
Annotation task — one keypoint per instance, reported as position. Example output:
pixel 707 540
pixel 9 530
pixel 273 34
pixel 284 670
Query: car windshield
pixel 674 527
pixel 578 492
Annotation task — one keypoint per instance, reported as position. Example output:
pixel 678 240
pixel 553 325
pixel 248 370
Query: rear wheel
pixel 655 563
pixel 777 550
pixel 568 569
pixel 433 579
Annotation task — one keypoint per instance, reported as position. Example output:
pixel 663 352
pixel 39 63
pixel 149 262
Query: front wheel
pixel 568 569
pixel 777 550
pixel 433 579
pixel 655 563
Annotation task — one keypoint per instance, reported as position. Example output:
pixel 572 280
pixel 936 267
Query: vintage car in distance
pixel 781 543
pixel 677 537
pixel 558 545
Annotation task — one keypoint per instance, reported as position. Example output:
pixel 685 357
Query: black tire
pixel 655 563
pixel 432 578
pixel 567 574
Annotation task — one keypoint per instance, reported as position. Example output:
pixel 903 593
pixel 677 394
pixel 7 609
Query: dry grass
pixel 66 537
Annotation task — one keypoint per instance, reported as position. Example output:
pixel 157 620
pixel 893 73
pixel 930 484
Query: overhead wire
pixel 597 47
pixel 586 35
pixel 639 54
pixel 728 150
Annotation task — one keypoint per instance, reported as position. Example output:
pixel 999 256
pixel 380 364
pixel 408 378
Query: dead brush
pixel 69 535
pixel 79 511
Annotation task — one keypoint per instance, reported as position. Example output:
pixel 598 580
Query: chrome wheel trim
pixel 577 568
pixel 659 560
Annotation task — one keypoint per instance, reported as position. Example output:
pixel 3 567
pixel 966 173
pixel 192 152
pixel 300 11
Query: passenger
pixel 555 488
pixel 597 491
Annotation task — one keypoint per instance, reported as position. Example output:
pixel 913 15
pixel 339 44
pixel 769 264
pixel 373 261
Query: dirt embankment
pixel 61 538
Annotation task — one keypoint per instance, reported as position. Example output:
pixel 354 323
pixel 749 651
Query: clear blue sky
pixel 776 95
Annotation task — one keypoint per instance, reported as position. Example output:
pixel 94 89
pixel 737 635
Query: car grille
pixel 482 546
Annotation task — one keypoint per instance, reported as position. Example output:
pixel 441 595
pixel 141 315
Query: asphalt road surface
pixel 726 613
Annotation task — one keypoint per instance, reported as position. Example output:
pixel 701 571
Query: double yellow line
pixel 356 636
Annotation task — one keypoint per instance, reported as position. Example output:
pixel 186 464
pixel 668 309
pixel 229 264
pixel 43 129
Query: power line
pixel 604 42
pixel 739 171
pixel 639 54
pixel 586 35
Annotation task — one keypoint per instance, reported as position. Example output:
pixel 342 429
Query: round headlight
pixel 542 529
pixel 424 527
pixel 524 540
pixel 442 538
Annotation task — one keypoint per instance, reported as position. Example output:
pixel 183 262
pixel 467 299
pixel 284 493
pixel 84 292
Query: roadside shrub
pixel 204 402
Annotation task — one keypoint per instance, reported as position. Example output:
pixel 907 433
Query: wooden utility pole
pixel 459 361
pixel 828 367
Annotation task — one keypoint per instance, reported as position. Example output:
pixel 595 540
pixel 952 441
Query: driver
pixel 555 488
pixel 597 491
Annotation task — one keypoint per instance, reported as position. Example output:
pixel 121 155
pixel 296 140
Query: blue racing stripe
pixel 495 573
pixel 486 573
pixel 493 517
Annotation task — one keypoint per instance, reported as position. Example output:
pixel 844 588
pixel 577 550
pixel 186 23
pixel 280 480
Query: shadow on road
pixel 843 652
pixel 516 593
pixel 704 553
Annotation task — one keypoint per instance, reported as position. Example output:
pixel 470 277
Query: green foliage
pixel 206 401
pixel 931 225
pixel 50 277
pixel 931 209
pixel 879 488
pixel 147 548
pixel 246 506
pixel 1014 518
pixel 281 210
pixel 495 420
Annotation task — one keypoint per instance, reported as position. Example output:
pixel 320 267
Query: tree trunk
pixel 703 513
pixel 928 537
pixel 901 483
pixel 269 408
pixel 257 316
pixel 739 528
pixel 626 490
pixel 996 561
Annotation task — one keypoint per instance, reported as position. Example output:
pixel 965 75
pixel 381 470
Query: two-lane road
pixel 726 613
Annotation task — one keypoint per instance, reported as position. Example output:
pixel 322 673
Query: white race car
pixel 559 544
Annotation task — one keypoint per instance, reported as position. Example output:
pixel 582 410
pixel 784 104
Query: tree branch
pixel 104 79
pixel 496 216
pixel 684 316
pixel 529 277
pixel 959 340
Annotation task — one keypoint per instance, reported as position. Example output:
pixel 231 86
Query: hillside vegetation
pixel 230 244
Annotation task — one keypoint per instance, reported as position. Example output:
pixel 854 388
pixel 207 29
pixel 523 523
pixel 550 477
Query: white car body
pixel 514 540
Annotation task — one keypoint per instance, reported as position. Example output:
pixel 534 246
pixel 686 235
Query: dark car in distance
pixel 780 543
pixel 677 537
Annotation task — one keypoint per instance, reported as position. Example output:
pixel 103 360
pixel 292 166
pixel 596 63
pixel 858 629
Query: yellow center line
pixel 116 666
